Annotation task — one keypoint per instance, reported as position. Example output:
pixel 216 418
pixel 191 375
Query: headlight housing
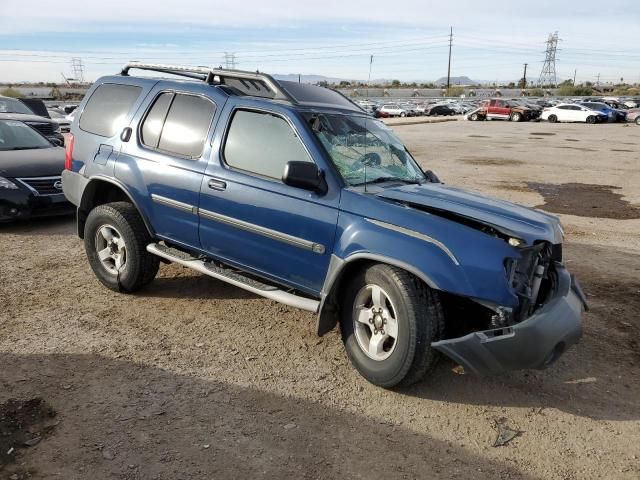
pixel 7 184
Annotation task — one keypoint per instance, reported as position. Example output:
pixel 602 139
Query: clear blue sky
pixel 408 38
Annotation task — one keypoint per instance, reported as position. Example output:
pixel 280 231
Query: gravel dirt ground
pixel 195 379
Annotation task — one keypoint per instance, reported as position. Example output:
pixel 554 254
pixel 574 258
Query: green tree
pixel 455 91
pixel 10 92
pixel 395 83
pixel 568 90
pixel 536 92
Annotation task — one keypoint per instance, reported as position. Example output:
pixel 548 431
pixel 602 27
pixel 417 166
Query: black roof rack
pixel 248 83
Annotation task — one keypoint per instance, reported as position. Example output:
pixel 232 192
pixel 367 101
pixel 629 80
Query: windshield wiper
pixel 389 179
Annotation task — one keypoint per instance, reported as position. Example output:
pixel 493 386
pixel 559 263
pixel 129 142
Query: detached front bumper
pixel 536 342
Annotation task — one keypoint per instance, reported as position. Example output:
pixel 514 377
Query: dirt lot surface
pixel 195 379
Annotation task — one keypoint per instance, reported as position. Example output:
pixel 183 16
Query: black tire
pixel 516 117
pixel 591 119
pixel 474 117
pixel 420 321
pixel 553 119
pixel 140 267
pixel 402 114
pixel 638 120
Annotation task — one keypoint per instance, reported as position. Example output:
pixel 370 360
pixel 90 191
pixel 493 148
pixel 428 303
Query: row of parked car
pixel 592 110
pixel 416 109
pixel 32 158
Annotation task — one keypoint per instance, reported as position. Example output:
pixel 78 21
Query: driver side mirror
pixel 305 175
pixel 432 177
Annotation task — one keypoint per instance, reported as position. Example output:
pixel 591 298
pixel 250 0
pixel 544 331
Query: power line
pixel 449 67
pixel 269 52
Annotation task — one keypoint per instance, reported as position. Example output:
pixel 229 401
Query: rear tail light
pixel 68 155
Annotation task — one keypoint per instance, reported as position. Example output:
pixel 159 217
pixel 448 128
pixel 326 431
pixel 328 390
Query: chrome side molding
pixel 170 202
pixel 414 234
pixel 266 232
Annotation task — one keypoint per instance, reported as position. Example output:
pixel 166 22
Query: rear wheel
pixel 115 239
pixel 516 117
pixel 553 118
pixel 388 320
pixel 638 120
pixel 591 119
pixel 402 114
pixel 475 117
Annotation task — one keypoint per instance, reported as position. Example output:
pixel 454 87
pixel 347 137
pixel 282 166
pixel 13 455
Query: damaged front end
pixel 486 338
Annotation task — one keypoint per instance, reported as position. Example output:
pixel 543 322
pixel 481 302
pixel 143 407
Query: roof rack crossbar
pixel 209 75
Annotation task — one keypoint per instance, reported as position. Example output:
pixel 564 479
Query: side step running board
pixel 233 277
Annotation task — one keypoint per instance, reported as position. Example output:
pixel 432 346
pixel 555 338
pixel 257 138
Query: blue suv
pixel 293 192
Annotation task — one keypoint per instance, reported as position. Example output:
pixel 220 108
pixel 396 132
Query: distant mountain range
pixel 457 81
pixel 293 77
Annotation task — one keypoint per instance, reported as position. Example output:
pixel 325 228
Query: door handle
pixel 126 134
pixel 216 184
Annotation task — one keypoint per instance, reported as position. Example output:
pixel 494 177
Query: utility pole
pixel 524 77
pixel 575 72
pixel 598 81
pixel 369 79
pixel 449 68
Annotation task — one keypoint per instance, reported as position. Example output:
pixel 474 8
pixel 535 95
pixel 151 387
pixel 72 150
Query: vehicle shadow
pixel 58 225
pixel 599 378
pixel 186 284
pixel 117 418
pixel 569 386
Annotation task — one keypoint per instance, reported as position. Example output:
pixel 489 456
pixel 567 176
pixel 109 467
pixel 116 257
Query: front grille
pixel 45 128
pixel 43 185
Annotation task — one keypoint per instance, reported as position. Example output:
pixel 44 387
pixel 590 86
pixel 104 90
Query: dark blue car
pixel 612 114
pixel 292 192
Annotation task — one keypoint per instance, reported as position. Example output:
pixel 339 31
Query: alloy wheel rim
pixel 375 322
pixel 111 249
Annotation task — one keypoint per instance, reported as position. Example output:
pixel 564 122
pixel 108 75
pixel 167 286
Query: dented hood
pixel 509 218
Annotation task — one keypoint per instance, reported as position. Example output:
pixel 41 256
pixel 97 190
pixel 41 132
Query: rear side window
pixel 153 123
pixel 178 123
pixel 107 107
pixel 262 143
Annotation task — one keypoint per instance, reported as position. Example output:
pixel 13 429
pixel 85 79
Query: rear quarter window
pixel 178 123
pixel 107 108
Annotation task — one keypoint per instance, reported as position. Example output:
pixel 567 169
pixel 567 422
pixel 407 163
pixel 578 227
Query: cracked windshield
pixel 365 150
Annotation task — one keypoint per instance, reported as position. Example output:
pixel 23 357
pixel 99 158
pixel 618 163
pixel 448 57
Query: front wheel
pixel 516 117
pixel 474 117
pixel 553 119
pixel 388 320
pixel 116 239
pixel 638 120
pixel 591 119
pixel 402 114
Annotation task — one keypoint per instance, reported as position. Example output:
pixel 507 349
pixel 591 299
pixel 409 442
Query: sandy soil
pixel 195 379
